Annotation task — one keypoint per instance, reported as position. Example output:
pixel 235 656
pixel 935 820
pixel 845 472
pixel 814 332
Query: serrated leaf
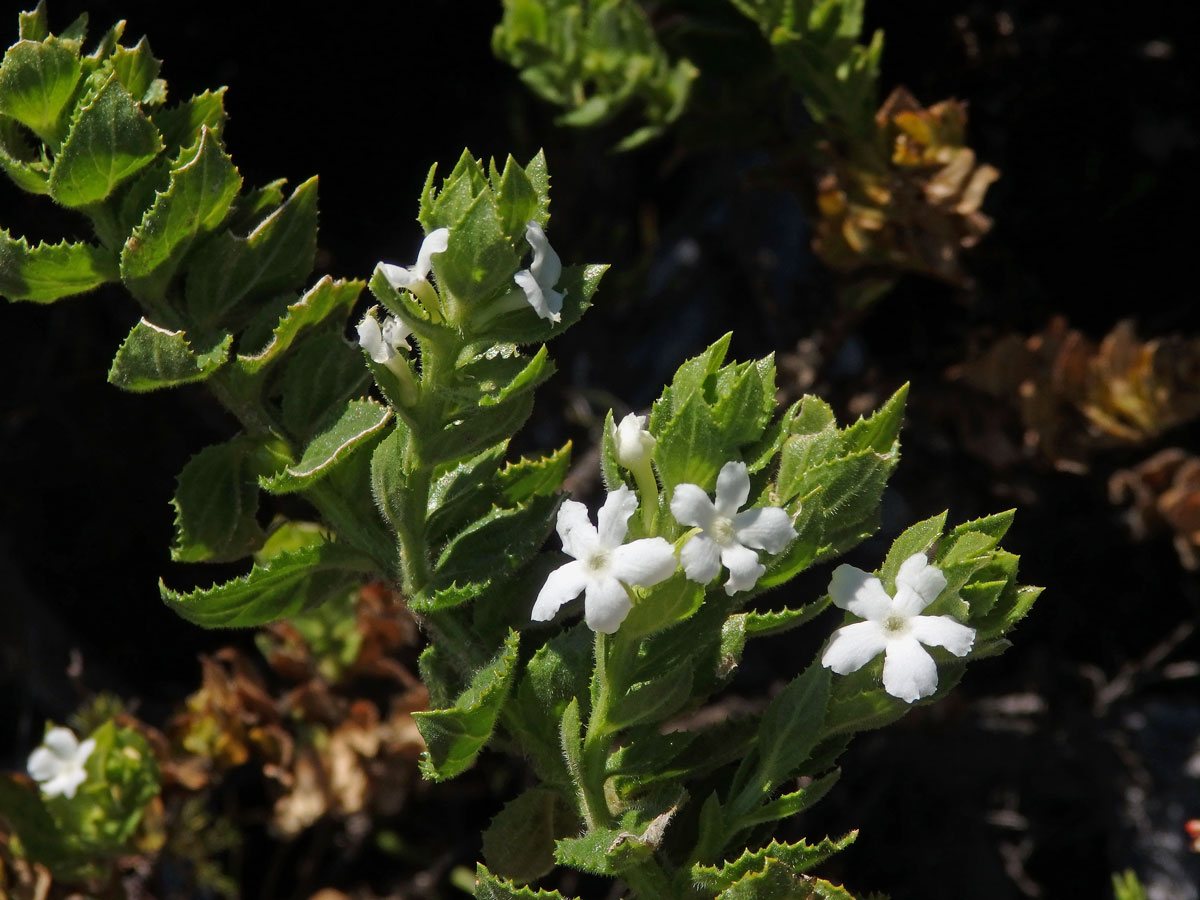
pixel 880 431
pixel 49 272
pixel 29 169
pixel 570 733
pixel 479 259
pixel 798 857
pixel 446 207
pixel 535 477
pixel 773 881
pixel 519 842
pixel 321 374
pixel 276 256
pixel 289 583
pixel 110 139
pixel 463 491
pixel 773 622
pixel 802 452
pixel 578 284
pixel 994 526
pixel 201 190
pixel 662 606
pixel 454 737
pixel 690 449
pixel 360 423
pixel 181 125
pixel 137 68
pixel 476 429
pixel 517 202
pixel 37 81
pixel 555 675
pixel 497 544
pixel 216 503
pixel 493 378
pixel 690 378
pixel 915 539
pixel 151 358
pixel 851 489
pixel 34 25
pixel 325 301
pixel 489 887
pixel 744 403
pixel 654 700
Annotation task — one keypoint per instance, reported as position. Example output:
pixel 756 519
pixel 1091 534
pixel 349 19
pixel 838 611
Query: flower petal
pixel 398 276
pixel 546 266
pixel 66 782
pixel 395 333
pixel 61 742
pixel 744 568
pixel 860 592
pixel 766 528
pixel 43 765
pixel 917 584
pixel 909 672
pixel 435 242
pixel 632 442
pixel 943 631
pixel 562 585
pixel 733 487
pixel 853 646
pixel 701 558
pixel 370 338
pixel 546 304
pixel 645 562
pixel 691 506
pixel 575 529
pixel 605 605
pixel 613 519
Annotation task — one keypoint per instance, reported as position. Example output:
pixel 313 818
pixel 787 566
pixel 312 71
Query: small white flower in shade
pixel 539 279
pixel 602 565
pixel 893 627
pixel 633 443
pixel 729 537
pixel 383 343
pixel 401 278
pixel 59 763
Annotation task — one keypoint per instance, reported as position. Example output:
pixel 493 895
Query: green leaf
pixel 445 208
pixel 500 373
pixel 276 256
pixel 768 624
pixel 454 737
pixel 570 732
pixel 994 526
pixel 475 430
pixel 851 489
pixel 690 449
pixel 789 729
pixel 37 81
pixel 216 502
pixel 535 477
pixel 654 700
pixel 479 260
pixel 691 377
pixel 662 606
pixel 578 284
pixel 151 358
pixel 792 803
pixel 881 431
pixel 182 125
pixel 49 272
pixel 137 68
pixel 809 524
pixel 489 887
pixel 802 452
pixel 289 583
pixel 110 139
pixel 497 544
pixel 519 842
pixel 360 422
pixel 326 301
pixel 517 202
pixel 41 837
pixel 555 676
pixel 798 857
pixel 915 539
pixel 463 491
pixel 203 184
pixel 34 25
pixel 745 400
pixel 28 168
pixel 321 374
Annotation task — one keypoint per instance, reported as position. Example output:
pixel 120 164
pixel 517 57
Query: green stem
pixel 647 485
pixel 610 681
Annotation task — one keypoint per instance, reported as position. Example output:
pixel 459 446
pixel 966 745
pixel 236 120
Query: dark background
pixel 1023 783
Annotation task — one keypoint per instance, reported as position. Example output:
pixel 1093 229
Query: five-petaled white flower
pixel 728 536
pixel 539 279
pixel 603 566
pixel 400 277
pixel 59 763
pixel 634 445
pixel 382 343
pixel 893 627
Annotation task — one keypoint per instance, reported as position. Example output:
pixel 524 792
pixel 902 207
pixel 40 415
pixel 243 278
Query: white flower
pixel 633 443
pixel 892 627
pixel 58 763
pixel 401 278
pixel 603 566
pixel 539 279
pixel 382 343
pixel 728 535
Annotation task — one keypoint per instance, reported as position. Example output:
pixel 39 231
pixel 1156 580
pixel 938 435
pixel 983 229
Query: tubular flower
pixel 729 537
pixel 602 565
pixel 59 762
pixel 539 279
pixel 893 627
pixel 634 444
pixel 400 277
pixel 382 343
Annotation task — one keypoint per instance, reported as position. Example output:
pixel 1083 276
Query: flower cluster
pixel 58 764
pixel 892 626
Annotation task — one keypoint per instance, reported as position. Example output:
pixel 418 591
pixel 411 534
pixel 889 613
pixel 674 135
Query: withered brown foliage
pixel 1164 493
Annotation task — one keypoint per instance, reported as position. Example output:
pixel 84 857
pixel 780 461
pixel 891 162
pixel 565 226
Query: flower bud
pixel 634 444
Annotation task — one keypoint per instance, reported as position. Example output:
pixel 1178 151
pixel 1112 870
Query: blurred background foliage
pixel 857 228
